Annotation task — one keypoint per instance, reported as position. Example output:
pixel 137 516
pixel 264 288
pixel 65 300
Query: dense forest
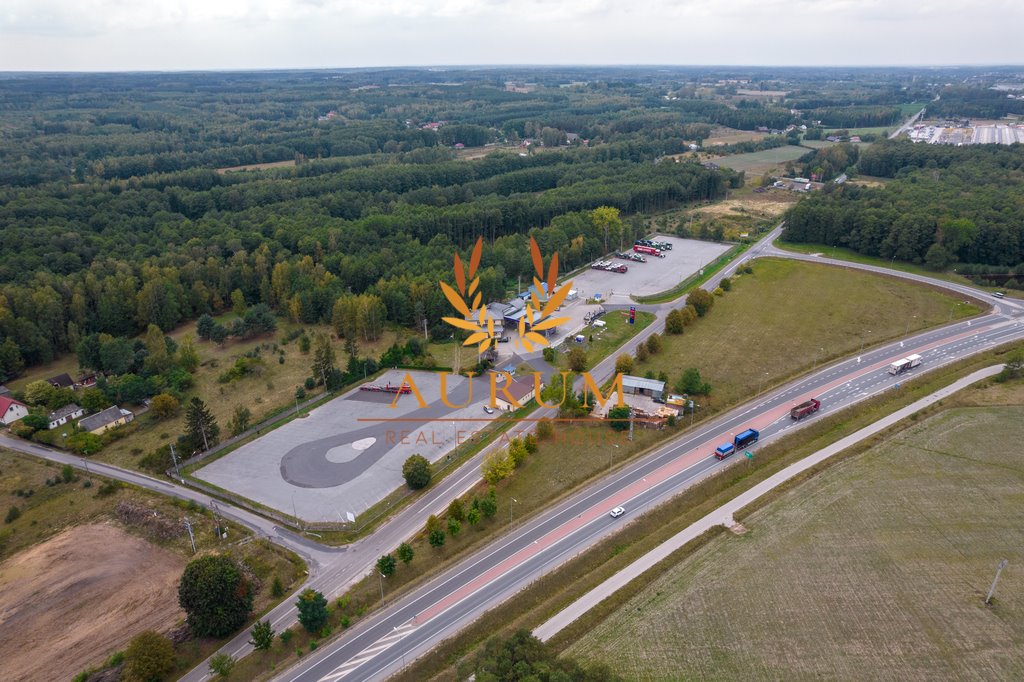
pixel 118 209
pixel 943 205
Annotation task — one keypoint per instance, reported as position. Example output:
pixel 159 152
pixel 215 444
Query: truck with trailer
pixel 649 250
pixel 902 365
pixel 805 408
pixel 742 440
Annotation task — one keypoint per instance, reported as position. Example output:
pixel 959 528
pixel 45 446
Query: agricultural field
pixel 70 561
pixel 875 569
pixel 788 316
pixel 721 136
pixel 758 163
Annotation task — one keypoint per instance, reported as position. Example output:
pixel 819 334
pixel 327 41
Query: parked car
pixel 488 409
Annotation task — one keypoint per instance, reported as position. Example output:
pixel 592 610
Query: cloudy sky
pixel 249 34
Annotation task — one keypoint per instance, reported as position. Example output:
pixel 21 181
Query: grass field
pixel 762 161
pixel 875 569
pixel 616 332
pixel 788 316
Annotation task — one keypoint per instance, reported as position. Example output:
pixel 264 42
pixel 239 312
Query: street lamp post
pixel 863 338
pixel 760 384
pixel 381 577
pixel 510 501
pixel 907 331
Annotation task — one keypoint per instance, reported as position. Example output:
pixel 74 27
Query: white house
pixel 11 410
pixel 64 415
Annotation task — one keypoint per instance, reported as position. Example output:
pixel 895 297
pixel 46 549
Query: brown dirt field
pixel 257 166
pixel 731 136
pixel 76 597
pixel 766 205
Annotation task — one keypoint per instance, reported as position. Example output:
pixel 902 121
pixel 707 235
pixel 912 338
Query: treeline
pixel 855 116
pixel 829 162
pixel 962 101
pixel 944 205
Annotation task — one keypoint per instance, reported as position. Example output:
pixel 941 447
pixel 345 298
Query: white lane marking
pixel 369 652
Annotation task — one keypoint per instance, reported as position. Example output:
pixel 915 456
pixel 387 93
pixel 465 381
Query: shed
pixel 64 415
pixel 642 386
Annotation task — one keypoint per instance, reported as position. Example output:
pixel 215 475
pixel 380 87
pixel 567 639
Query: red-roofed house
pixel 11 410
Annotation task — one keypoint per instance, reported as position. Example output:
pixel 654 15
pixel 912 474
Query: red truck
pixel 805 408
pixel 649 250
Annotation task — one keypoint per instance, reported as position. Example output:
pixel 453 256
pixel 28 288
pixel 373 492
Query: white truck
pixel 909 362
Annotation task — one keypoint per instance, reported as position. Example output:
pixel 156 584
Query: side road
pixel 724 514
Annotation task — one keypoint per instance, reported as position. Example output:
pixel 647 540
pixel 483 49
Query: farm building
pixel 639 386
pixel 64 415
pixel 107 419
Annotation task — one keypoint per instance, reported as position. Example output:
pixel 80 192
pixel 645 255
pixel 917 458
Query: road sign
pixel 749 454
pixel 632 314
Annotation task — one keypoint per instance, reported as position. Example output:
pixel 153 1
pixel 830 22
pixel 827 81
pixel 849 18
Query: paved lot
pixel 338 460
pixel 656 275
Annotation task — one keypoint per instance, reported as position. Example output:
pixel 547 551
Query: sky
pixel 142 35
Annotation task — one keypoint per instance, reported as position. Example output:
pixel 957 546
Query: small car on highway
pixel 617 512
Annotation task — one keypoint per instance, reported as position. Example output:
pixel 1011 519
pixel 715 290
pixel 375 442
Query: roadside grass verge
pixel 555 591
pixel 600 343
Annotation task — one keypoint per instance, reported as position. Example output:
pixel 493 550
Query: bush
pixel 436 538
pixel 276 588
pixel 108 489
pixel 545 429
pixel 674 323
pixel 149 657
pixel 654 343
pixel 624 364
pixel 416 471
pixel 549 354
pixel 286 636
pixel 36 421
pixel 618 418
pixel 725 284
pixel 577 358
pixel 215 595
pixel 164 405
pixel 405 553
pixel 701 301
pixel 222 665
pixel 309 383
pixel 67 473
pixel 12 515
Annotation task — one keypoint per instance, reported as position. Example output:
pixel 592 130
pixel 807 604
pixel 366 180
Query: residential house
pixel 61 381
pixel 641 386
pixel 107 419
pixel 64 415
pixel 88 381
pixel 521 391
pixel 11 410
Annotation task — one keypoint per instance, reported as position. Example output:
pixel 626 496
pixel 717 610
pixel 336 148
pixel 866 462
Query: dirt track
pixel 68 603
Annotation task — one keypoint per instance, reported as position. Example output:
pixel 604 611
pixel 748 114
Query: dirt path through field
pixel 68 603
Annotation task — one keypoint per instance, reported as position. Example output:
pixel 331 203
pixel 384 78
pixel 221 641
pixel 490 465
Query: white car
pixel 488 410
pixel 617 512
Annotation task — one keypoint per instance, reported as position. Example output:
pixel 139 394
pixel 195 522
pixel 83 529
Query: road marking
pixel 372 651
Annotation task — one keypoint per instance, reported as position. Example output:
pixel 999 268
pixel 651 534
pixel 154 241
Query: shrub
pixel 725 284
pixel 545 429
pixel 641 353
pixel 436 538
pixel 618 418
pixel 149 657
pixel 549 354
pixel 405 553
pixel 222 665
pixel 416 471
pixel 701 301
pixel 276 588
pixel 624 364
pixel 12 515
pixel 286 636
pixel 674 323
pixel 654 344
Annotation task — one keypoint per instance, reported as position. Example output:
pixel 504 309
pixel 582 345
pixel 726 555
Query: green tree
pixel 725 284
pixel 93 400
pixel 608 224
pixel 276 588
pixel 489 504
pixel 405 553
pixel 240 420
pixel 577 358
pixel 262 636
pixel 221 665
pixel 312 610
pixel 416 471
pixel 689 314
pixel 188 356
pixel 654 344
pixel 215 595
pixel 530 443
pixel 238 302
pixel 204 326
pixel 158 360
pixel 1014 367
pixel 304 344
pixel 674 322
pixel 386 565
pixel 497 467
pixel 690 382
pixel 521 656
pixel 517 452
pixel 545 429
pixel 701 300
pixel 641 353
pixel 456 510
pixel 454 527
pixel 201 429
pixel 39 392
pixel 624 364
pixel 436 538
pixel 148 658
pixel 323 358
pixel 473 516
pixel 618 418
pixel 164 405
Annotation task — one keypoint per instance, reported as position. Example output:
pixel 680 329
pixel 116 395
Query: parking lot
pixel 656 275
pixel 341 458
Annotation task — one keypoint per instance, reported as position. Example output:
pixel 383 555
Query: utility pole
pixel 174 457
pixel 216 519
pixel 425 337
pixel 630 436
pixel 85 464
pixel 206 443
pixel 991 590
pixel 191 535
